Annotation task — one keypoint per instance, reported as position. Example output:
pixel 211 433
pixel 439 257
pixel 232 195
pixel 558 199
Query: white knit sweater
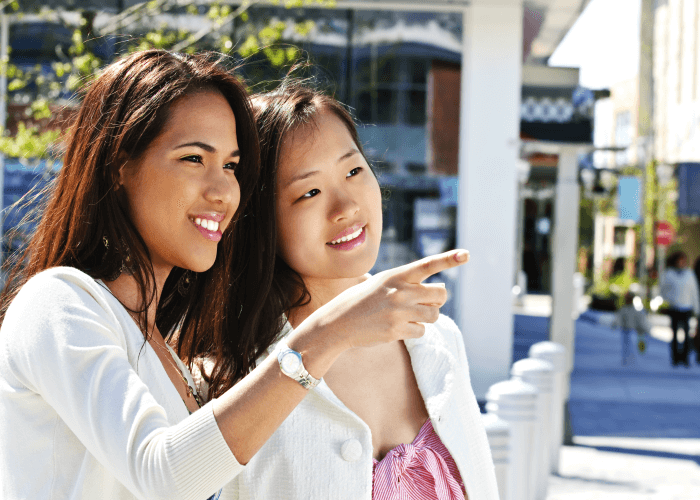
pixel 679 288
pixel 323 450
pixel 87 410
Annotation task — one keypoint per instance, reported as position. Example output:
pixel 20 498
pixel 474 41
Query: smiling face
pixel 329 208
pixel 182 191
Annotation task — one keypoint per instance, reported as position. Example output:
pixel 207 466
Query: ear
pixel 119 173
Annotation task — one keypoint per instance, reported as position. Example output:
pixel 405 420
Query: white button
pixel 351 450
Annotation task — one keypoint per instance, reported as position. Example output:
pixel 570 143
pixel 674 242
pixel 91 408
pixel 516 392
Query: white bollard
pixel 515 402
pixel 540 374
pixel 498 433
pixel 555 354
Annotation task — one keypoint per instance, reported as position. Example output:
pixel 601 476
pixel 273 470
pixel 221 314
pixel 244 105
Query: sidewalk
pixel 636 428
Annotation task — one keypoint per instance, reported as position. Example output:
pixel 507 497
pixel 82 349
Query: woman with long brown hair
pixel 146 232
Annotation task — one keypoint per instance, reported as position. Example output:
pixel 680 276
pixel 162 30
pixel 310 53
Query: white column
pixel 488 155
pixel 564 248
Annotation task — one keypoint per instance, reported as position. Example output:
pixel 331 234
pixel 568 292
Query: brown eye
pixel 192 158
pixel 311 193
pixel 354 172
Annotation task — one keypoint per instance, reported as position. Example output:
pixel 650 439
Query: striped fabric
pixel 422 470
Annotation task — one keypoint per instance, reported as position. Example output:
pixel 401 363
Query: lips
pixel 348 234
pixel 208 225
pixel 352 240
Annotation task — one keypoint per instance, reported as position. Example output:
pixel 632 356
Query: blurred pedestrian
pixel 696 339
pixel 679 288
pixel 630 319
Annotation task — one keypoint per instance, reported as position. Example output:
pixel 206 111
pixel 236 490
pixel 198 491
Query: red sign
pixel 664 233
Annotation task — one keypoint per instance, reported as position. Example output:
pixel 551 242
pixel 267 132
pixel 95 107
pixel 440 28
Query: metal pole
pixel 645 129
pixel 642 231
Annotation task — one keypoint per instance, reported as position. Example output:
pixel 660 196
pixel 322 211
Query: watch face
pixel 290 363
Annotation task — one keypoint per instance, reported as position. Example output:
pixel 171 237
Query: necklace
pixel 190 390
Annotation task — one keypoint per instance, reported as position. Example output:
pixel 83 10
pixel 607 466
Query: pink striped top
pixel 422 470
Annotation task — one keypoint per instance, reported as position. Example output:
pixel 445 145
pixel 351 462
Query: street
pixel 636 428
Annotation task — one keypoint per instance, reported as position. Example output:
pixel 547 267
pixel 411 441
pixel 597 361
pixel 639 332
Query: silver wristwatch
pixel 292 366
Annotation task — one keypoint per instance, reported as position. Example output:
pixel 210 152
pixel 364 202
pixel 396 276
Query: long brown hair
pixel 122 112
pixel 295 103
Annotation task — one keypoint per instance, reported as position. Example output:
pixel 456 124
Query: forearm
pixel 387 307
pixel 252 410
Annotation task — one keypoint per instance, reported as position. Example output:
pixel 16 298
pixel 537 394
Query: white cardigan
pixel 324 451
pixel 679 288
pixel 87 410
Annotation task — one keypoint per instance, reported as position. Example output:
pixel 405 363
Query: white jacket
pixel 679 288
pixel 87 410
pixel 323 450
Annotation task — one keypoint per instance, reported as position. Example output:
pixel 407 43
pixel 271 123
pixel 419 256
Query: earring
pixel 118 270
pixel 125 266
pixel 184 283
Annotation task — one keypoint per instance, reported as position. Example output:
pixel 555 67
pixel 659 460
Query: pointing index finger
pixel 419 270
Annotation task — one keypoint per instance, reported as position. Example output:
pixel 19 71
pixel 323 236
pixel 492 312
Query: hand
pixel 391 305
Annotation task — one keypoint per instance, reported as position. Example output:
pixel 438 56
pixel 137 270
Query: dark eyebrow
pixel 206 147
pixel 308 174
pixel 347 155
pixel 301 177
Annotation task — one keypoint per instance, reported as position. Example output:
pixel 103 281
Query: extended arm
pixel 389 306
pixel 63 342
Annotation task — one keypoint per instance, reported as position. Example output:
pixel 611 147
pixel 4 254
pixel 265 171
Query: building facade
pixel 676 81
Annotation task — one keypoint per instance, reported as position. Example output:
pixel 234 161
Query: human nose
pixel 344 206
pixel 222 187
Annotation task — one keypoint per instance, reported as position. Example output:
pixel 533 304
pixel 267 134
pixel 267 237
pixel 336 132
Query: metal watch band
pixel 301 375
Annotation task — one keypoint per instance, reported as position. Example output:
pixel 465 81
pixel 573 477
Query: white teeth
pixel 348 237
pixel 207 224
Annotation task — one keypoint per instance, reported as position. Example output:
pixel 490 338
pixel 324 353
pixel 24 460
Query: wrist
pixel 292 365
pixel 312 342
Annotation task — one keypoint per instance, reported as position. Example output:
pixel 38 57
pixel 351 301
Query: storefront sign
pixel 629 200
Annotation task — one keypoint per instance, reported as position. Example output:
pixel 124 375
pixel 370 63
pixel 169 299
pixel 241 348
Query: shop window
pixel 620 235
pixel 363 70
pixel 391 89
pixel 386 106
pixel 416 107
pixel 386 71
pixel 364 107
pixel 416 168
pixel 417 71
pixel 382 166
